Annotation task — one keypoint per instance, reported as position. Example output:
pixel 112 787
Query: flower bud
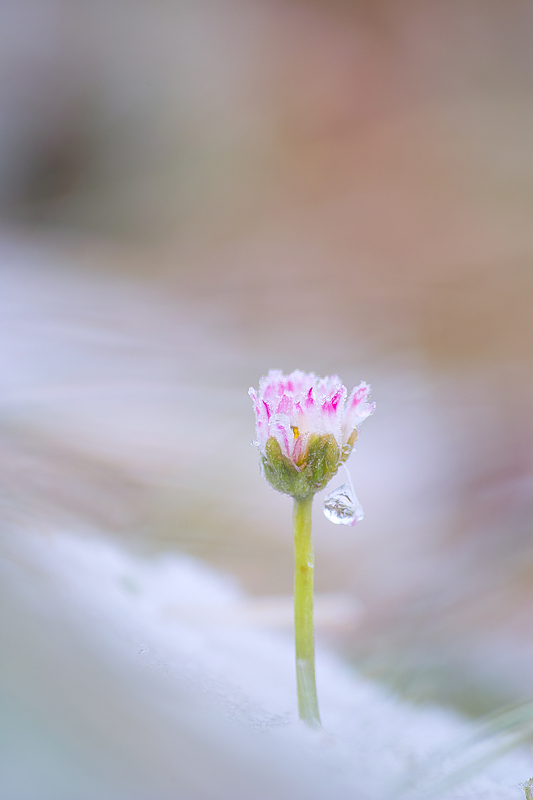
pixel 305 428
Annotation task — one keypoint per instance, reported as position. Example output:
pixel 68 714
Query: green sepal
pixel 348 447
pixel 322 460
pixel 280 472
pixel 320 464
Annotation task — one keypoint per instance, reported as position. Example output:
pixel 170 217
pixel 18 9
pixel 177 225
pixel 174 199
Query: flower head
pixel 306 428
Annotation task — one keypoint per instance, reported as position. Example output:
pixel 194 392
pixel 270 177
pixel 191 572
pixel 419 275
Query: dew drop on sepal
pixel 342 507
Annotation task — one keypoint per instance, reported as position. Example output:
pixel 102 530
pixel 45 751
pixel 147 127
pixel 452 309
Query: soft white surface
pixel 207 708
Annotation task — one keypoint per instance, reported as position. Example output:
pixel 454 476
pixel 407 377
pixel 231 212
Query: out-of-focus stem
pixel 303 612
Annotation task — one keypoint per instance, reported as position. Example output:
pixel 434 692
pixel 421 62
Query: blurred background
pixel 192 193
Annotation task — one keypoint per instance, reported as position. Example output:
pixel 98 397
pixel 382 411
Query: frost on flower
pixel 306 428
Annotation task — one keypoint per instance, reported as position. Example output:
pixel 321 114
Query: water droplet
pixel 342 507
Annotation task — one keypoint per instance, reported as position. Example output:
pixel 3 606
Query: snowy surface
pixel 146 673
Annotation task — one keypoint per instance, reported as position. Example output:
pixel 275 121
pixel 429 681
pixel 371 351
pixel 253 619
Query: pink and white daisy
pixel 300 409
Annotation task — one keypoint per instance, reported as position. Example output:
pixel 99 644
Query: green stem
pixel 303 612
